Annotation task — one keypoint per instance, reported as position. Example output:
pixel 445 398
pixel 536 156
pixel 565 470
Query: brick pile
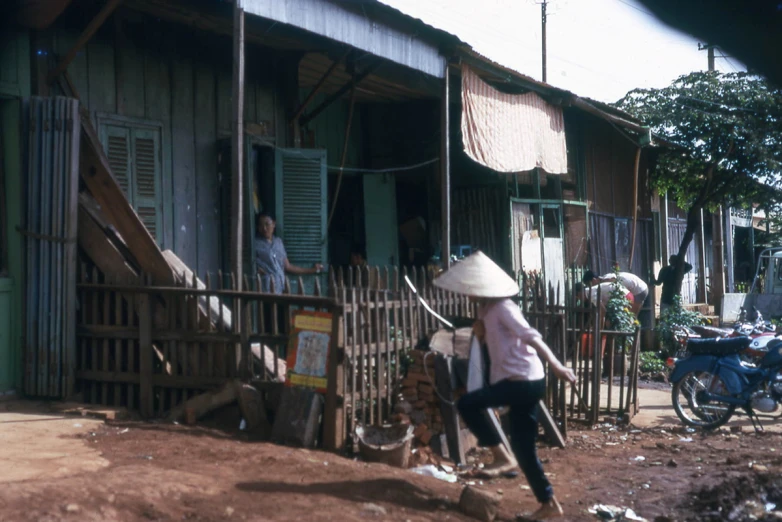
pixel 419 404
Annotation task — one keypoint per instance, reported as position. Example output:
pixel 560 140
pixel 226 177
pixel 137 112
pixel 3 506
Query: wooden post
pixel 244 354
pixel 145 355
pixel 701 261
pixel 237 147
pixel 635 207
pixel 334 413
pixel 718 270
pixel 445 173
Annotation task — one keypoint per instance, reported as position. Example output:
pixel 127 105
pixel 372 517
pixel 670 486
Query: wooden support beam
pixel 85 36
pixel 445 174
pixel 237 149
pixel 319 85
pixel 341 92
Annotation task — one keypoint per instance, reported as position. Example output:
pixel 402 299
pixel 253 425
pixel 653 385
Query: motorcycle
pixel 760 332
pixel 711 381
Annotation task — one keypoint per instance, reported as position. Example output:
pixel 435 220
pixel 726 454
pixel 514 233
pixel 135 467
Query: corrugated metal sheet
pixel 373 88
pixel 337 23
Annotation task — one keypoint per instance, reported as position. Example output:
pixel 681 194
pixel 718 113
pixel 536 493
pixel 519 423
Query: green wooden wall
pixel 14 83
pixel 149 69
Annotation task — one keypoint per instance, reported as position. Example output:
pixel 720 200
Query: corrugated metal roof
pixel 356 29
pixel 378 86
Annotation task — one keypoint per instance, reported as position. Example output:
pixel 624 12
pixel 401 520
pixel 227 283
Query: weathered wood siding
pixel 610 167
pixel 139 67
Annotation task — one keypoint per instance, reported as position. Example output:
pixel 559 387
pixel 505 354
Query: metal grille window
pixel 134 153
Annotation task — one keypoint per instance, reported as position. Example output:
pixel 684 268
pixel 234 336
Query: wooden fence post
pixel 146 395
pixel 334 412
pixel 244 354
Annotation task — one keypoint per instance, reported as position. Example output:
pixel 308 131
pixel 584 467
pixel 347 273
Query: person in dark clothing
pixel 667 278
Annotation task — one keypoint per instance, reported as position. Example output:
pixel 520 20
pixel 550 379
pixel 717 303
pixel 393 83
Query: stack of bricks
pixel 419 404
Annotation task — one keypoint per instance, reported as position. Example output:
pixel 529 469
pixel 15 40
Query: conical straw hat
pixel 478 276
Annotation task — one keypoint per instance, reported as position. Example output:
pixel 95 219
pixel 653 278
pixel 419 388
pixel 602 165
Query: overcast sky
pixel 596 48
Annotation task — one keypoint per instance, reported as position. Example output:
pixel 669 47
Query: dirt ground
pixel 160 471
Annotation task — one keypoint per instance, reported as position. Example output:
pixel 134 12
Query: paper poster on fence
pixel 308 350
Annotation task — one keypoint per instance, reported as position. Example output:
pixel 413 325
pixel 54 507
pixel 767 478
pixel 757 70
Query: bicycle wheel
pixel 694 404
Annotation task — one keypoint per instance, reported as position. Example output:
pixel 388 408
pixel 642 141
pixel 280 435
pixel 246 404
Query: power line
pixel 628 4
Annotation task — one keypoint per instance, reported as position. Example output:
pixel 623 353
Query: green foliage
pixel 675 315
pixel 650 362
pixel 618 309
pixel 728 128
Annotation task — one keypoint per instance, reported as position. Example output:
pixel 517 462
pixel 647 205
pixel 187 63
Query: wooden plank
pixel 550 426
pixel 334 413
pixel 101 75
pixel 96 173
pixel 129 63
pixel 146 406
pixel 157 107
pixel 206 402
pixel 115 377
pixel 94 316
pixel 223 101
pixel 106 345
pixel 183 158
pixel 184 382
pixel 208 189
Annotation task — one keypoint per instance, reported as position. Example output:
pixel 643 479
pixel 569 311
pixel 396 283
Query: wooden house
pixel 341 119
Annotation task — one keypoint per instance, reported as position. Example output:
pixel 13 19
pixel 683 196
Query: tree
pixel 725 135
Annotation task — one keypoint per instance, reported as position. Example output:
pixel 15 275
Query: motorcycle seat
pixel 718 346
pixel 711 331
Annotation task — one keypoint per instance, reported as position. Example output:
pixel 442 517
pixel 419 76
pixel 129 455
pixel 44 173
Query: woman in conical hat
pixel 516 377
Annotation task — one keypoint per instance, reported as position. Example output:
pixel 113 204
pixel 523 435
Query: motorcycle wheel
pixel 693 408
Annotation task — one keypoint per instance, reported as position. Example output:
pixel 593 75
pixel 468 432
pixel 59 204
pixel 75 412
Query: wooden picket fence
pixel 150 347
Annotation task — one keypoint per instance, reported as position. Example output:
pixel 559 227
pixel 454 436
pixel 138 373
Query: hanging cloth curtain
pixel 511 132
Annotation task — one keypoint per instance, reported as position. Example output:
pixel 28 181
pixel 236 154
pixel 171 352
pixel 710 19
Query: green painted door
pixel 381 220
pixel 6 345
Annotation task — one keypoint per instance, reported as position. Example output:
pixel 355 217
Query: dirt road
pixel 137 471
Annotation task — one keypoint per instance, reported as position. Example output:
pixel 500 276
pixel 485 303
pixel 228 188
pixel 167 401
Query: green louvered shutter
pixel 301 206
pixel 146 178
pixel 116 141
pixel 134 155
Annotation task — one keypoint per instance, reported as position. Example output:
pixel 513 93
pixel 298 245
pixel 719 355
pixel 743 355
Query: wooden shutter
pixel 301 186
pixel 116 141
pixel 146 178
pixel 135 157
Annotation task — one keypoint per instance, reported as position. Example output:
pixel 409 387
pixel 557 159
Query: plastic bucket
pixel 588 345
pixel 386 444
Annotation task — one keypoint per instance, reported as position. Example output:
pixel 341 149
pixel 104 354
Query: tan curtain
pixel 511 132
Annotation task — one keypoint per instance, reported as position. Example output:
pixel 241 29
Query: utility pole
pixel 543 35
pixel 710 50
pixel 717 226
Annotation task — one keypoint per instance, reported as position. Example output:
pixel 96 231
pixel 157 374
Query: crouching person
pixel 516 378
